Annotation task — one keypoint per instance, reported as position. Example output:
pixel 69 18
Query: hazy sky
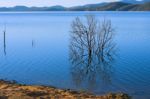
pixel 66 3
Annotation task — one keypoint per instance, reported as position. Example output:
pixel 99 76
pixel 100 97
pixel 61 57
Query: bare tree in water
pixel 91 47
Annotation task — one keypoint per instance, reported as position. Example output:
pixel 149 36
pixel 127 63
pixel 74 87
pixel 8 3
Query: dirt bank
pixel 10 90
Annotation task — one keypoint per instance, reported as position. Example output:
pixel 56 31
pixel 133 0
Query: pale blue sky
pixel 67 3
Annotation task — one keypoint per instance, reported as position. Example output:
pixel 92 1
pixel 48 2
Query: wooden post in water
pixel 5 41
pixel 33 45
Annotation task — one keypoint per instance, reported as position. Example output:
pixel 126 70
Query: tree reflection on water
pixel 92 51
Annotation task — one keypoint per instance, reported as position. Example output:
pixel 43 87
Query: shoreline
pixel 13 90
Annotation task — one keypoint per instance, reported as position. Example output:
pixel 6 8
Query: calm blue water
pixel 36 51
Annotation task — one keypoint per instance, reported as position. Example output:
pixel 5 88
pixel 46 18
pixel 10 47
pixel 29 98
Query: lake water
pixel 36 51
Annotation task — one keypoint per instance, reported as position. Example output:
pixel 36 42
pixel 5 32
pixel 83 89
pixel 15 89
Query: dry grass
pixel 10 90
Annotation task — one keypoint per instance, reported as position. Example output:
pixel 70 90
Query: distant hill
pixel 113 6
pixel 24 8
pixel 135 7
pixel 87 7
pixel 56 8
pixel 135 1
pixel 143 7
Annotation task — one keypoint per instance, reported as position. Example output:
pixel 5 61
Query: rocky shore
pixel 12 90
